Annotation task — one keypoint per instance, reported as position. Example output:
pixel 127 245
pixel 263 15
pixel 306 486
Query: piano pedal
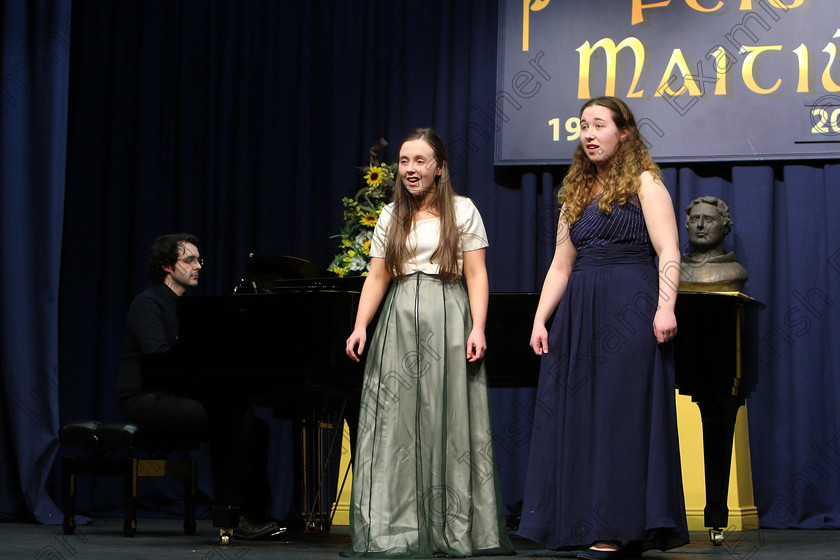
pixel 225 536
pixel 716 536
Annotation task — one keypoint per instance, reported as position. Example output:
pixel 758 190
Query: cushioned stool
pixel 104 441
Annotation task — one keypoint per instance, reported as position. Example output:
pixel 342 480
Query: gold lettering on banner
pixel 748 73
pixel 679 69
pixel 801 53
pixel 636 15
pixel 721 69
pixel 678 61
pixel 611 52
pixel 695 6
pixel 748 4
pixel 827 82
pixel 527 8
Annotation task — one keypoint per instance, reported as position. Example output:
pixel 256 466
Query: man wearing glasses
pixel 238 443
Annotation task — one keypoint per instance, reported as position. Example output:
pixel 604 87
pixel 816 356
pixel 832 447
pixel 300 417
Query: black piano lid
pixel 262 272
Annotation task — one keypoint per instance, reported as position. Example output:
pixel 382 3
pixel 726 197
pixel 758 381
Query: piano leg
pixel 718 430
pixel 317 455
pixel 226 518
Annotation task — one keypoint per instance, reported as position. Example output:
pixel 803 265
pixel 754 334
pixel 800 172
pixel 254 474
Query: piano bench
pixel 113 451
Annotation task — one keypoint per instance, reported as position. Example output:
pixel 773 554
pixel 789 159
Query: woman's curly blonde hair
pixel 630 161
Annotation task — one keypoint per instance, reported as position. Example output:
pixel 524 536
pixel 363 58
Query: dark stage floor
pixel 162 539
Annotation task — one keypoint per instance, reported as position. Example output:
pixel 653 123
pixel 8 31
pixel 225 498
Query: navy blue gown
pixel 604 461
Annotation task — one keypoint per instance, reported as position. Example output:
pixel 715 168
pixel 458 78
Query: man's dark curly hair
pixel 165 251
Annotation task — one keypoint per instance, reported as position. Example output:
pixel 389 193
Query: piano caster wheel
pixel 716 536
pixel 225 536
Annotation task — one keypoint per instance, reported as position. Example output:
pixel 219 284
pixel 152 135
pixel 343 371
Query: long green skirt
pixel 424 475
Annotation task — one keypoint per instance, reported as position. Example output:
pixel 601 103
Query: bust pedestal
pixel 715 356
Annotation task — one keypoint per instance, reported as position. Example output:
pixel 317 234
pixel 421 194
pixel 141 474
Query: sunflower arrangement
pixel 361 213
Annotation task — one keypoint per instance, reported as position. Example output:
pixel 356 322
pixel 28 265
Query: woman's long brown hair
pixel 442 203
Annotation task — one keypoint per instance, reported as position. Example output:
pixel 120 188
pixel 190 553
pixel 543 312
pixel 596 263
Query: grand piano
pixel 242 343
pixel 242 340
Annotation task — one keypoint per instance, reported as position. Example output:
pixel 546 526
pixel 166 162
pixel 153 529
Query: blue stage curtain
pixel 245 122
pixel 35 49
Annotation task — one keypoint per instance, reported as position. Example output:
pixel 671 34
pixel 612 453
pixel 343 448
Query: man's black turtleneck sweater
pixel 151 327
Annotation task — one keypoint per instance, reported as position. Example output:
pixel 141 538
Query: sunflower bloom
pixel 361 212
pixel 369 219
pixel 374 177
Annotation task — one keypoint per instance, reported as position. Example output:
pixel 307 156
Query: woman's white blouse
pixel 425 235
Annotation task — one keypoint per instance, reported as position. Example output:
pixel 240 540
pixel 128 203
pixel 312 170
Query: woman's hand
pixel 539 339
pixel 356 340
pixel 476 346
pixel 664 325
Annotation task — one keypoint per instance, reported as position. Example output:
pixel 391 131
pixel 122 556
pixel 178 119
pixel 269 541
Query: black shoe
pixel 592 554
pixel 633 549
pixel 253 527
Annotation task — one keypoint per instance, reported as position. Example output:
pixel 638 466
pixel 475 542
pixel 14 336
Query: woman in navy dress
pixel 604 471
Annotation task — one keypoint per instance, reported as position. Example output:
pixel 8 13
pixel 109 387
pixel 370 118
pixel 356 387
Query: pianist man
pixel 238 443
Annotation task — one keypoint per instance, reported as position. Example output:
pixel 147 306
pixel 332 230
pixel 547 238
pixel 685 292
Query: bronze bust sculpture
pixel 708 268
